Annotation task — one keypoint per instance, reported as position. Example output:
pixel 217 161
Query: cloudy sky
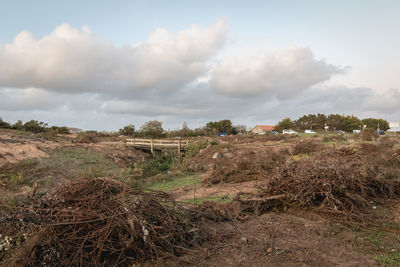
pixel 105 64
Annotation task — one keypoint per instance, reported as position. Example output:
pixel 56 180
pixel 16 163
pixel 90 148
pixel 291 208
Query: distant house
pixel 259 129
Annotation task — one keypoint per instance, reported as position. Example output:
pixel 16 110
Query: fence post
pixel 151 146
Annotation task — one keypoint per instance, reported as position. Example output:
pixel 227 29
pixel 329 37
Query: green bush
pixel 195 148
pixel 159 164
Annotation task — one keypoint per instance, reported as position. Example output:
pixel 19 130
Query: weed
pixel 195 148
pixel 375 237
pixel 159 164
pixel 388 259
pixel 169 184
pixel 16 179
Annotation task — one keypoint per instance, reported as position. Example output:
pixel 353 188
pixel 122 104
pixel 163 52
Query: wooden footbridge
pixel 158 144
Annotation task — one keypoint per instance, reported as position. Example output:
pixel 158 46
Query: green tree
pixel 128 130
pixel 18 125
pixel 152 129
pixel 351 123
pixel 35 126
pixel 373 123
pixel 310 121
pixel 286 123
pixel 4 125
pixel 215 127
pixel 59 130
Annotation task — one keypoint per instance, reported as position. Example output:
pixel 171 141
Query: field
pixel 304 200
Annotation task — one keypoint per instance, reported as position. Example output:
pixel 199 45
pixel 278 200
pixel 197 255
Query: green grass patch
pixel 375 237
pixel 169 184
pixel 74 162
pixel 388 259
pixel 65 162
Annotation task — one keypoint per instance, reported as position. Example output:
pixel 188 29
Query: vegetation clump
pixel 99 222
pixel 339 182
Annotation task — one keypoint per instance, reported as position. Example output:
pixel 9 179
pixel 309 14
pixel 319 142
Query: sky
pixel 101 65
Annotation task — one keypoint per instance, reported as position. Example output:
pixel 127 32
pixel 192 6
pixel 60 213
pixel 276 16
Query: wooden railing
pixel 158 144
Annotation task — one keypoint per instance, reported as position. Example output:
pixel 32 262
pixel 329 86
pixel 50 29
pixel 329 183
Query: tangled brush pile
pixel 338 182
pixel 100 222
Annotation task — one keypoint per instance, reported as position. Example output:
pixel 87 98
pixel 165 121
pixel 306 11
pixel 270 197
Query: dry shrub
pixel 335 182
pixel 388 142
pixel 334 138
pixel 306 147
pixel 86 138
pixel 100 222
pixel 368 135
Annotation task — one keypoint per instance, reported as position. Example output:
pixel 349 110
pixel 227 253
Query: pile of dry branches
pixel 338 182
pixel 100 222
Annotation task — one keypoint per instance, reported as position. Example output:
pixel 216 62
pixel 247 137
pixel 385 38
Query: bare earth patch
pixel 12 152
pixel 278 239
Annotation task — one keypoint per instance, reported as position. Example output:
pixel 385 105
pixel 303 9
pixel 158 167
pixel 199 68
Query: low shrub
pixel 306 147
pixel 86 137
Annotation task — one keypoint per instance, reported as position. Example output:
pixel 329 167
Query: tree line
pixel 334 122
pixel 34 127
pixel 154 129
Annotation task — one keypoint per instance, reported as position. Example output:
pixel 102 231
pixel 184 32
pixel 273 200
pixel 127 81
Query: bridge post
pixel 152 146
pixel 179 147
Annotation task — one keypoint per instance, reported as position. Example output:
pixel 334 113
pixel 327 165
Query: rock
pixel 244 239
pixel 217 155
pixel 229 155
pixel 225 150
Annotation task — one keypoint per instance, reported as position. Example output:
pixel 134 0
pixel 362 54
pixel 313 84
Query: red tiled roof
pixel 266 127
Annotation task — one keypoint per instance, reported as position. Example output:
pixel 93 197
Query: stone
pixel 217 155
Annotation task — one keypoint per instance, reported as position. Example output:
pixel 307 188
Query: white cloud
pixel 76 78
pixel 70 60
pixel 283 74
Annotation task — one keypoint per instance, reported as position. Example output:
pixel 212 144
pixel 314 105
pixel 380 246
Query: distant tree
pixel 335 122
pixel 4 125
pixel 240 129
pixel 35 126
pixel 351 123
pixel 310 121
pixel 59 130
pixel 373 123
pixel 215 127
pixel 152 129
pixel 286 123
pixel 18 125
pixel 128 130
pixel 185 131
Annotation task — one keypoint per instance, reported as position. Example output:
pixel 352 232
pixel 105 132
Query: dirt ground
pixel 16 147
pixel 291 237
pixel 280 239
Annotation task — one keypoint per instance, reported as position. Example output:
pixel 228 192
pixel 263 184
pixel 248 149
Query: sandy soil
pixel 278 239
pixel 13 153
